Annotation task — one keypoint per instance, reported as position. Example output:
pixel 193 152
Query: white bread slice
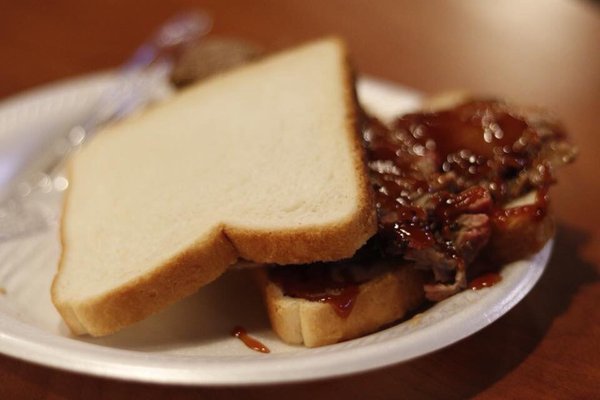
pixel 381 301
pixel 263 162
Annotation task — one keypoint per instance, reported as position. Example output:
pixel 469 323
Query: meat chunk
pixel 440 178
pixel 473 234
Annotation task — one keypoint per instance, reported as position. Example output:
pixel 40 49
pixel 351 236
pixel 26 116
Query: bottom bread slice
pixel 379 302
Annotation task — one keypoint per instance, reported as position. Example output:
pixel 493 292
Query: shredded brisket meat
pixel 440 177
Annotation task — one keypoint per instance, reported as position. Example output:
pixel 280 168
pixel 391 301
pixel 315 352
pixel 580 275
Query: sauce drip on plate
pixel 248 340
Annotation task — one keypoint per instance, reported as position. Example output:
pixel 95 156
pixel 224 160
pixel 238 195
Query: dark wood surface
pixel 543 52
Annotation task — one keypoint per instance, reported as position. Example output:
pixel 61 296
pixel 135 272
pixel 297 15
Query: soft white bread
pixel 380 301
pixel 263 162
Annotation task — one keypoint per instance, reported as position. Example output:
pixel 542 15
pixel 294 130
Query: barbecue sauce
pixel 316 283
pixel 485 281
pixel 534 212
pixel 428 170
pixel 458 158
pixel 248 340
pixel 341 300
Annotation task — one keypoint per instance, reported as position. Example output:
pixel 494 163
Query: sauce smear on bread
pixel 322 282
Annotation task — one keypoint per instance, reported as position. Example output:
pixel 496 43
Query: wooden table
pixel 535 51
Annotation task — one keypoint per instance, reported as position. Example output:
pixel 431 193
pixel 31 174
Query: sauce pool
pixel 485 281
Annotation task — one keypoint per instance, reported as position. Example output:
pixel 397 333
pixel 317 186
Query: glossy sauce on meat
pixel 456 155
pixel 442 181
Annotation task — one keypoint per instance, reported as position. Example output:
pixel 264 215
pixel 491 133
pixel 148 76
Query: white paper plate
pixel 190 343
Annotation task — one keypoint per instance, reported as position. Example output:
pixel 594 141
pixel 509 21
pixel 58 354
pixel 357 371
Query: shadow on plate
pixel 199 320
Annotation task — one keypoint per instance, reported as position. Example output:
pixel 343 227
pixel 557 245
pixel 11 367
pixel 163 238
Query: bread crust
pixel 381 301
pixel 203 262
pixel 179 277
pixel 531 233
pixel 330 243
